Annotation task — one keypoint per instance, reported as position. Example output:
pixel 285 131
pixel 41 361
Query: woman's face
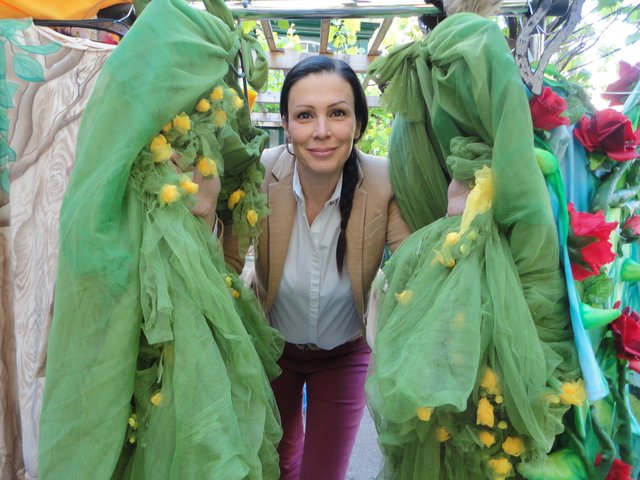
pixel 322 124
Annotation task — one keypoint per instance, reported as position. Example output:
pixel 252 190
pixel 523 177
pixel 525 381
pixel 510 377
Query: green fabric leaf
pixel 7 90
pixel 52 47
pixel 27 68
pixel 9 27
pixel 4 179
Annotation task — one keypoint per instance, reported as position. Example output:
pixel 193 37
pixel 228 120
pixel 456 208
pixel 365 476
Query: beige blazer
pixel 375 221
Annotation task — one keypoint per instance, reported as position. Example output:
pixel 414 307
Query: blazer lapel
pixel 283 208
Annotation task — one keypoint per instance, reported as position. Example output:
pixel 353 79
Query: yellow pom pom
pixel 132 439
pixel 237 102
pixel 203 105
pixel 234 293
pixel 502 425
pixel 501 467
pixel 207 167
pixel 484 415
pixel 167 126
pixel 513 446
pixel 219 118
pixel 234 198
pixel 133 421
pixel 252 217
pixel 452 238
pixel 487 438
pixel 190 187
pixel 217 93
pixel 156 398
pixel 442 434
pixel 489 382
pixel 228 281
pixel 169 194
pixel 160 149
pixel 573 393
pixel 499 399
pixel 404 297
pixel 424 413
pixel 182 122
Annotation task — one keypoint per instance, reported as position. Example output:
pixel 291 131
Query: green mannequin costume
pixel 190 397
pixel 473 342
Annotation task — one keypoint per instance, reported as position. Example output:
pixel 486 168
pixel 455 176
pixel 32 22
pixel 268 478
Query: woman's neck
pixel 317 190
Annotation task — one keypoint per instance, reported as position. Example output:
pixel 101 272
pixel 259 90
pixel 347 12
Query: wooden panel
pixel 325 23
pixel 268 35
pixel 374 49
pixel 287 59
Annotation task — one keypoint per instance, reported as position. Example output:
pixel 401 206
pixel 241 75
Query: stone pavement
pixel 366 458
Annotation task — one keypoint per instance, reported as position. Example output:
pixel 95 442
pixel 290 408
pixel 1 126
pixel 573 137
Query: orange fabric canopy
pixel 54 9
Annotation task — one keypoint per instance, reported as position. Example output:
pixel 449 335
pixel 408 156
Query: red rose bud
pixel 618 91
pixel 588 254
pixel 619 471
pixel 610 132
pixel 626 330
pixel 546 109
pixel 632 225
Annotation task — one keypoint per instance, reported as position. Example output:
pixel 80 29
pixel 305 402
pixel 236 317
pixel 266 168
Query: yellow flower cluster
pixel 182 123
pixel 513 446
pixel 487 438
pixel 219 118
pixel 484 415
pixel 156 399
pixel 187 185
pixel 442 434
pixel 169 194
pixel 404 297
pixel 424 413
pixel 203 105
pixel 490 382
pixel 501 468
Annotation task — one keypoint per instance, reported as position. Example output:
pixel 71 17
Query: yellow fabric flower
pixel 156 398
pixel 513 446
pixel 217 93
pixel 189 186
pixel 502 425
pixel 237 102
pixel 501 467
pixel 251 96
pixel 404 297
pixel 451 239
pixel 160 149
pixel 479 199
pixel 133 421
pixel 448 262
pixel 182 122
pixel 235 197
pixel 442 434
pixel 169 194
pixel 203 105
pixel 252 217
pixel 228 281
pixel 234 293
pixel 132 439
pixel 207 167
pixel 219 118
pixel 490 382
pixel 499 399
pixel 487 438
pixel 484 415
pixel 573 393
pixel 167 126
pixel 424 413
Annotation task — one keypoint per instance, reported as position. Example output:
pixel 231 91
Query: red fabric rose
pixel 626 331
pixel 619 90
pixel 619 471
pixel 546 109
pixel 588 244
pixel 633 225
pixel 611 132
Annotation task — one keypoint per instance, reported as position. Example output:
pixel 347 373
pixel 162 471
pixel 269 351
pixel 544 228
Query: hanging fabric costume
pixel 190 397
pixel 473 351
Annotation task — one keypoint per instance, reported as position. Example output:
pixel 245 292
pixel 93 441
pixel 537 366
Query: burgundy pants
pixel 335 402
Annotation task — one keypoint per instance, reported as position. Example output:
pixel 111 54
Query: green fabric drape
pixel 461 296
pixel 190 397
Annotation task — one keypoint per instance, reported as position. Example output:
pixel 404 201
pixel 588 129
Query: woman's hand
pixel 457 194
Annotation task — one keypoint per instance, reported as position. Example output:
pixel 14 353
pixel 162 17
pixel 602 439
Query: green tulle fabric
pixel 159 359
pixel 465 300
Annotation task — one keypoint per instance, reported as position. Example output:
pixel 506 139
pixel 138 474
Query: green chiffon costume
pixel 189 398
pixel 473 364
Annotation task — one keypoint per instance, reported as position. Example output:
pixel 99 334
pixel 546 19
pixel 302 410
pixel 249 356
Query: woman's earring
pixel 288 146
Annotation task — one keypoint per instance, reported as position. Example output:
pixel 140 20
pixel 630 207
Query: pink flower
pixel 618 91
pixel 619 471
pixel 588 243
pixel 546 110
pixel 610 132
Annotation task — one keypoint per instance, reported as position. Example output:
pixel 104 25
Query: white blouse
pixel 314 303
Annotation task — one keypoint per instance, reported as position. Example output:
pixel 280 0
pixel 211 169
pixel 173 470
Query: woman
pixel 332 213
